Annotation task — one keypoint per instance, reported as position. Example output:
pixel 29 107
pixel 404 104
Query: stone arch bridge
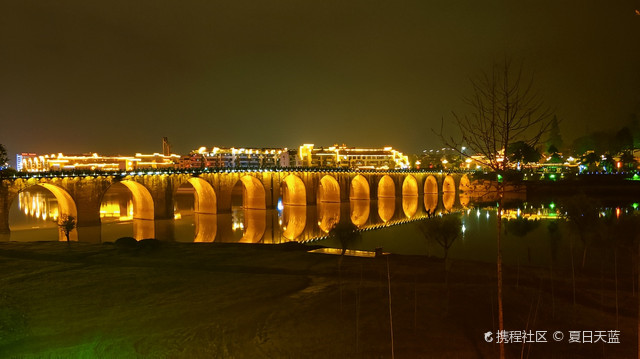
pixel 153 192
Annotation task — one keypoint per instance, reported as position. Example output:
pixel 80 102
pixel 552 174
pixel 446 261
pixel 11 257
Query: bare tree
pixel 67 224
pixel 4 159
pixel 503 109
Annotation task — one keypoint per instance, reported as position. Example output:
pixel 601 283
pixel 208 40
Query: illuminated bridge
pixel 153 193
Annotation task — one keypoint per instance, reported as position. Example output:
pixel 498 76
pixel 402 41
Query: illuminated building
pixel 60 162
pixel 351 157
pixel 220 157
pixel 22 156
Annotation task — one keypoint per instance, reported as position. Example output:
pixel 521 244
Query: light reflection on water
pixel 388 223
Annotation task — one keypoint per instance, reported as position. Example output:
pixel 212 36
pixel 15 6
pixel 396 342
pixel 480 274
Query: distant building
pixel 221 157
pixel 352 157
pixel 166 146
pixel 21 156
pixel 32 162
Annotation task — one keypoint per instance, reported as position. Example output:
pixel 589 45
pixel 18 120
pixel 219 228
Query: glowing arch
pixel 66 204
pixel 430 185
pixel 328 190
pixel 449 184
pixel 142 200
pixel 465 184
pixel 386 187
pixel 293 191
pixel 66 207
pixel 359 188
pixel 409 186
pixel 253 195
pixel 204 196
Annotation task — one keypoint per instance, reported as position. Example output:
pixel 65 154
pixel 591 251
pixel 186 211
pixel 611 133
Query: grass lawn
pixel 214 300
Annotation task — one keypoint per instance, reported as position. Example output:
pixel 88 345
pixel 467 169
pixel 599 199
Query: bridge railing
pixel 194 171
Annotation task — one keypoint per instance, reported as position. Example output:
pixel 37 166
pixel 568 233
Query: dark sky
pixel 116 76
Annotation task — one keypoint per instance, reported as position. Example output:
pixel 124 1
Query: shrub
pixel 126 242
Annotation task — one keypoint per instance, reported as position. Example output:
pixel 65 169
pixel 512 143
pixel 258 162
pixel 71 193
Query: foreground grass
pixel 250 301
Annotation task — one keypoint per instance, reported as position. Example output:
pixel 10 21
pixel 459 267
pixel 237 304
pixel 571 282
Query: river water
pixel 535 233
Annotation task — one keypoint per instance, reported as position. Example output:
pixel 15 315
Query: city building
pixel 352 157
pixel 225 157
pixel 31 162
pixel 21 156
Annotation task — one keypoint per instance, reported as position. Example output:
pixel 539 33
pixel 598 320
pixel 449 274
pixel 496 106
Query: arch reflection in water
pixel 143 229
pixel 448 200
pixel 386 208
pixel 410 205
pixel 206 227
pixel 328 215
pixel 465 198
pixel 430 202
pixel 294 219
pixel 255 222
pixel 359 210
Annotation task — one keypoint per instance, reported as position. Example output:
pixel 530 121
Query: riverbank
pixel 213 300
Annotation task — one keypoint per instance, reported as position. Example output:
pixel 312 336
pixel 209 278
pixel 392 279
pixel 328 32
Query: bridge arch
pixel 386 187
pixel 328 190
pixel 449 184
pixel 465 183
pixel 409 186
pixel 293 191
pixel 430 185
pixel 204 197
pixel 252 191
pixel 142 200
pixel 66 204
pixel 359 188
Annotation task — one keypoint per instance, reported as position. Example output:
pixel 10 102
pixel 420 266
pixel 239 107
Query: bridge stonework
pixel 153 194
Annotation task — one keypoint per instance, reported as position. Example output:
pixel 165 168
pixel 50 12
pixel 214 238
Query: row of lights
pixel 219 170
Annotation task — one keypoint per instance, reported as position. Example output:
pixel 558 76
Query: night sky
pixel 115 76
